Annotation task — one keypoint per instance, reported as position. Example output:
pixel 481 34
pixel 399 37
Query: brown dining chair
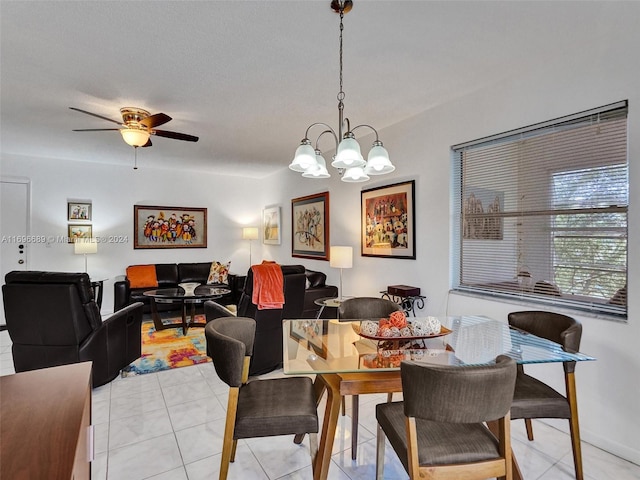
pixel 363 308
pixel 438 430
pixel 535 399
pixel 259 408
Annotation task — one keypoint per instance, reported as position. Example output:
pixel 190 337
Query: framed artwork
pixel 388 221
pixel 169 227
pixel 271 226
pixel 310 226
pixel 310 332
pixel 79 231
pixel 78 211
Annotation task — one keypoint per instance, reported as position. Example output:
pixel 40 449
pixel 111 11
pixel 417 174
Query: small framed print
pixel 79 231
pixel 78 211
pixel 271 226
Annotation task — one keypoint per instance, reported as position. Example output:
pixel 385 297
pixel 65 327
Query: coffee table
pixel 201 294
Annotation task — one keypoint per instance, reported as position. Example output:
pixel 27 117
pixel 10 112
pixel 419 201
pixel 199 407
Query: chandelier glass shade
pixel 348 159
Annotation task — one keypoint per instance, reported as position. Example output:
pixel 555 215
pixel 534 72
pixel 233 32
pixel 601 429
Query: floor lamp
pixel 341 257
pixel 85 246
pixel 250 233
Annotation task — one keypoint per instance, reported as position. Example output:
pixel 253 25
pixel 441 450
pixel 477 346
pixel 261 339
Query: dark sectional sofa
pixel 170 275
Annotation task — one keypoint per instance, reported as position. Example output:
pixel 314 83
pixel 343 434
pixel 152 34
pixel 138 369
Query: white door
pixel 14 230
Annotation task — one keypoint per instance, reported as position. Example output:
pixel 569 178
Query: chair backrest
pixel 367 307
pixel 562 329
pixel 49 308
pixel 229 341
pixel 294 286
pixel 458 394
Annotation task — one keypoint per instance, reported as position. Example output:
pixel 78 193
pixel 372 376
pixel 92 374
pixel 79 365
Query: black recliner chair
pixel 52 320
pixel 267 347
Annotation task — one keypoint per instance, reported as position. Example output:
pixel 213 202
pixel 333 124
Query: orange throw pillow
pixel 142 276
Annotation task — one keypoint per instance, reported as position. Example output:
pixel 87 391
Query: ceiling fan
pixel 137 126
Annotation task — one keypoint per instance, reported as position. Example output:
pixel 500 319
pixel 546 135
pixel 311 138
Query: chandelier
pixel 348 160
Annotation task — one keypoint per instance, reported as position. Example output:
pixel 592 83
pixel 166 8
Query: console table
pixel 46 417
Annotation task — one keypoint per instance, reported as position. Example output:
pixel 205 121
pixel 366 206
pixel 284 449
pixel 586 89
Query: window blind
pixel 542 212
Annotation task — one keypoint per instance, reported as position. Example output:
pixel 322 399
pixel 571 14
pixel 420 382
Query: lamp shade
pixel 82 246
pixel 250 233
pixel 319 170
pixel 378 162
pixel 341 257
pixel 348 154
pixel 304 158
pixel 135 137
pixel 354 175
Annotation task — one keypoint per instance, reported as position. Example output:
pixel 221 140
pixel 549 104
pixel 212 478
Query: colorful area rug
pixel 169 348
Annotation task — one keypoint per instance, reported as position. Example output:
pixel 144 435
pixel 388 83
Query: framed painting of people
pixel 169 227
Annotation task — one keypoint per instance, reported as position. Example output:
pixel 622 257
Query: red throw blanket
pixel 268 286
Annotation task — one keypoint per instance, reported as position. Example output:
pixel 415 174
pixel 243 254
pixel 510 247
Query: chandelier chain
pixel 341 93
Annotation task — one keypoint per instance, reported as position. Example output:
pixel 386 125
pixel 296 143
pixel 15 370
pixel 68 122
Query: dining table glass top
pixel 335 346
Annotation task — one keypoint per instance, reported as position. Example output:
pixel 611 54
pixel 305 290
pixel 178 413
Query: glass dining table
pixel 347 362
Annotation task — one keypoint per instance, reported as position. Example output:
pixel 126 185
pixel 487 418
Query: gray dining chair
pixel 438 430
pixel 363 308
pixel 535 399
pixel 259 408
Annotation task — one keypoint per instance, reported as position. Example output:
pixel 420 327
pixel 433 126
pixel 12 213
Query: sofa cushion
pixel 142 276
pixel 219 272
pixel 193 272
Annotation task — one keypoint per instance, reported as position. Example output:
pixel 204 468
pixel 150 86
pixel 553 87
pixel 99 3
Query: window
pixel 543 212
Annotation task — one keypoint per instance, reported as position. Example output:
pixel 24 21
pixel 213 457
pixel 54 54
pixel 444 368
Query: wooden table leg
pixel 331 414
pixel 157 321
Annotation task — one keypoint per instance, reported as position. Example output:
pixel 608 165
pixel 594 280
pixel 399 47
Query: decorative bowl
pixel 189 288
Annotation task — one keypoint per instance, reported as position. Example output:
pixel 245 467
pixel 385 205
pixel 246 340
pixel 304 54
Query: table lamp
pixel 341 257
pixel 250 233
pixel 84 246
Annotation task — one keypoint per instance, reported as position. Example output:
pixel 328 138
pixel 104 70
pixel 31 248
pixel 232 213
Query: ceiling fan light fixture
pixel 135 137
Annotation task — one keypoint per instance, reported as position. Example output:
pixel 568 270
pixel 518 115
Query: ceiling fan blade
pixel 95 115
pixel 148 144
pixel 155 120
pixel 175 135
pixel 95 129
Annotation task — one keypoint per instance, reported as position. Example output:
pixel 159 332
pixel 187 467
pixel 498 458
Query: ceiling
pixel 248 77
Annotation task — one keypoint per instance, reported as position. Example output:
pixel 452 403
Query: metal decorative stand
pixel 408 303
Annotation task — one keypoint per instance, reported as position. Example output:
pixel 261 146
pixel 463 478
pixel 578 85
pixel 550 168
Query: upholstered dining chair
pixel 260 408
pixel 356 308
pixel 437 431
pixel 535 399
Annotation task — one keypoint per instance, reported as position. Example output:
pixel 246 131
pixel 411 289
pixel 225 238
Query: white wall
pixel 113 190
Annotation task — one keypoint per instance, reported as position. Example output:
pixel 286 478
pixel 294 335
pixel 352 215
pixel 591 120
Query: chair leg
pixel 354 426
pixel 313 448
pixel 389 397
pixel 344 406
pixel 529 426
pixel 233 451
pixel 574 426
pixel 380 453
pixel 229 427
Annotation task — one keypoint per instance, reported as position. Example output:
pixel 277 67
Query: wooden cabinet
pixel 45 418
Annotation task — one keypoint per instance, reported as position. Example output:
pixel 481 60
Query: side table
pixel 324 302
pixel 406 296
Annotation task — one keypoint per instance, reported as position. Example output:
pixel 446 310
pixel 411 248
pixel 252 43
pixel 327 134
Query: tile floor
pixel 169 426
